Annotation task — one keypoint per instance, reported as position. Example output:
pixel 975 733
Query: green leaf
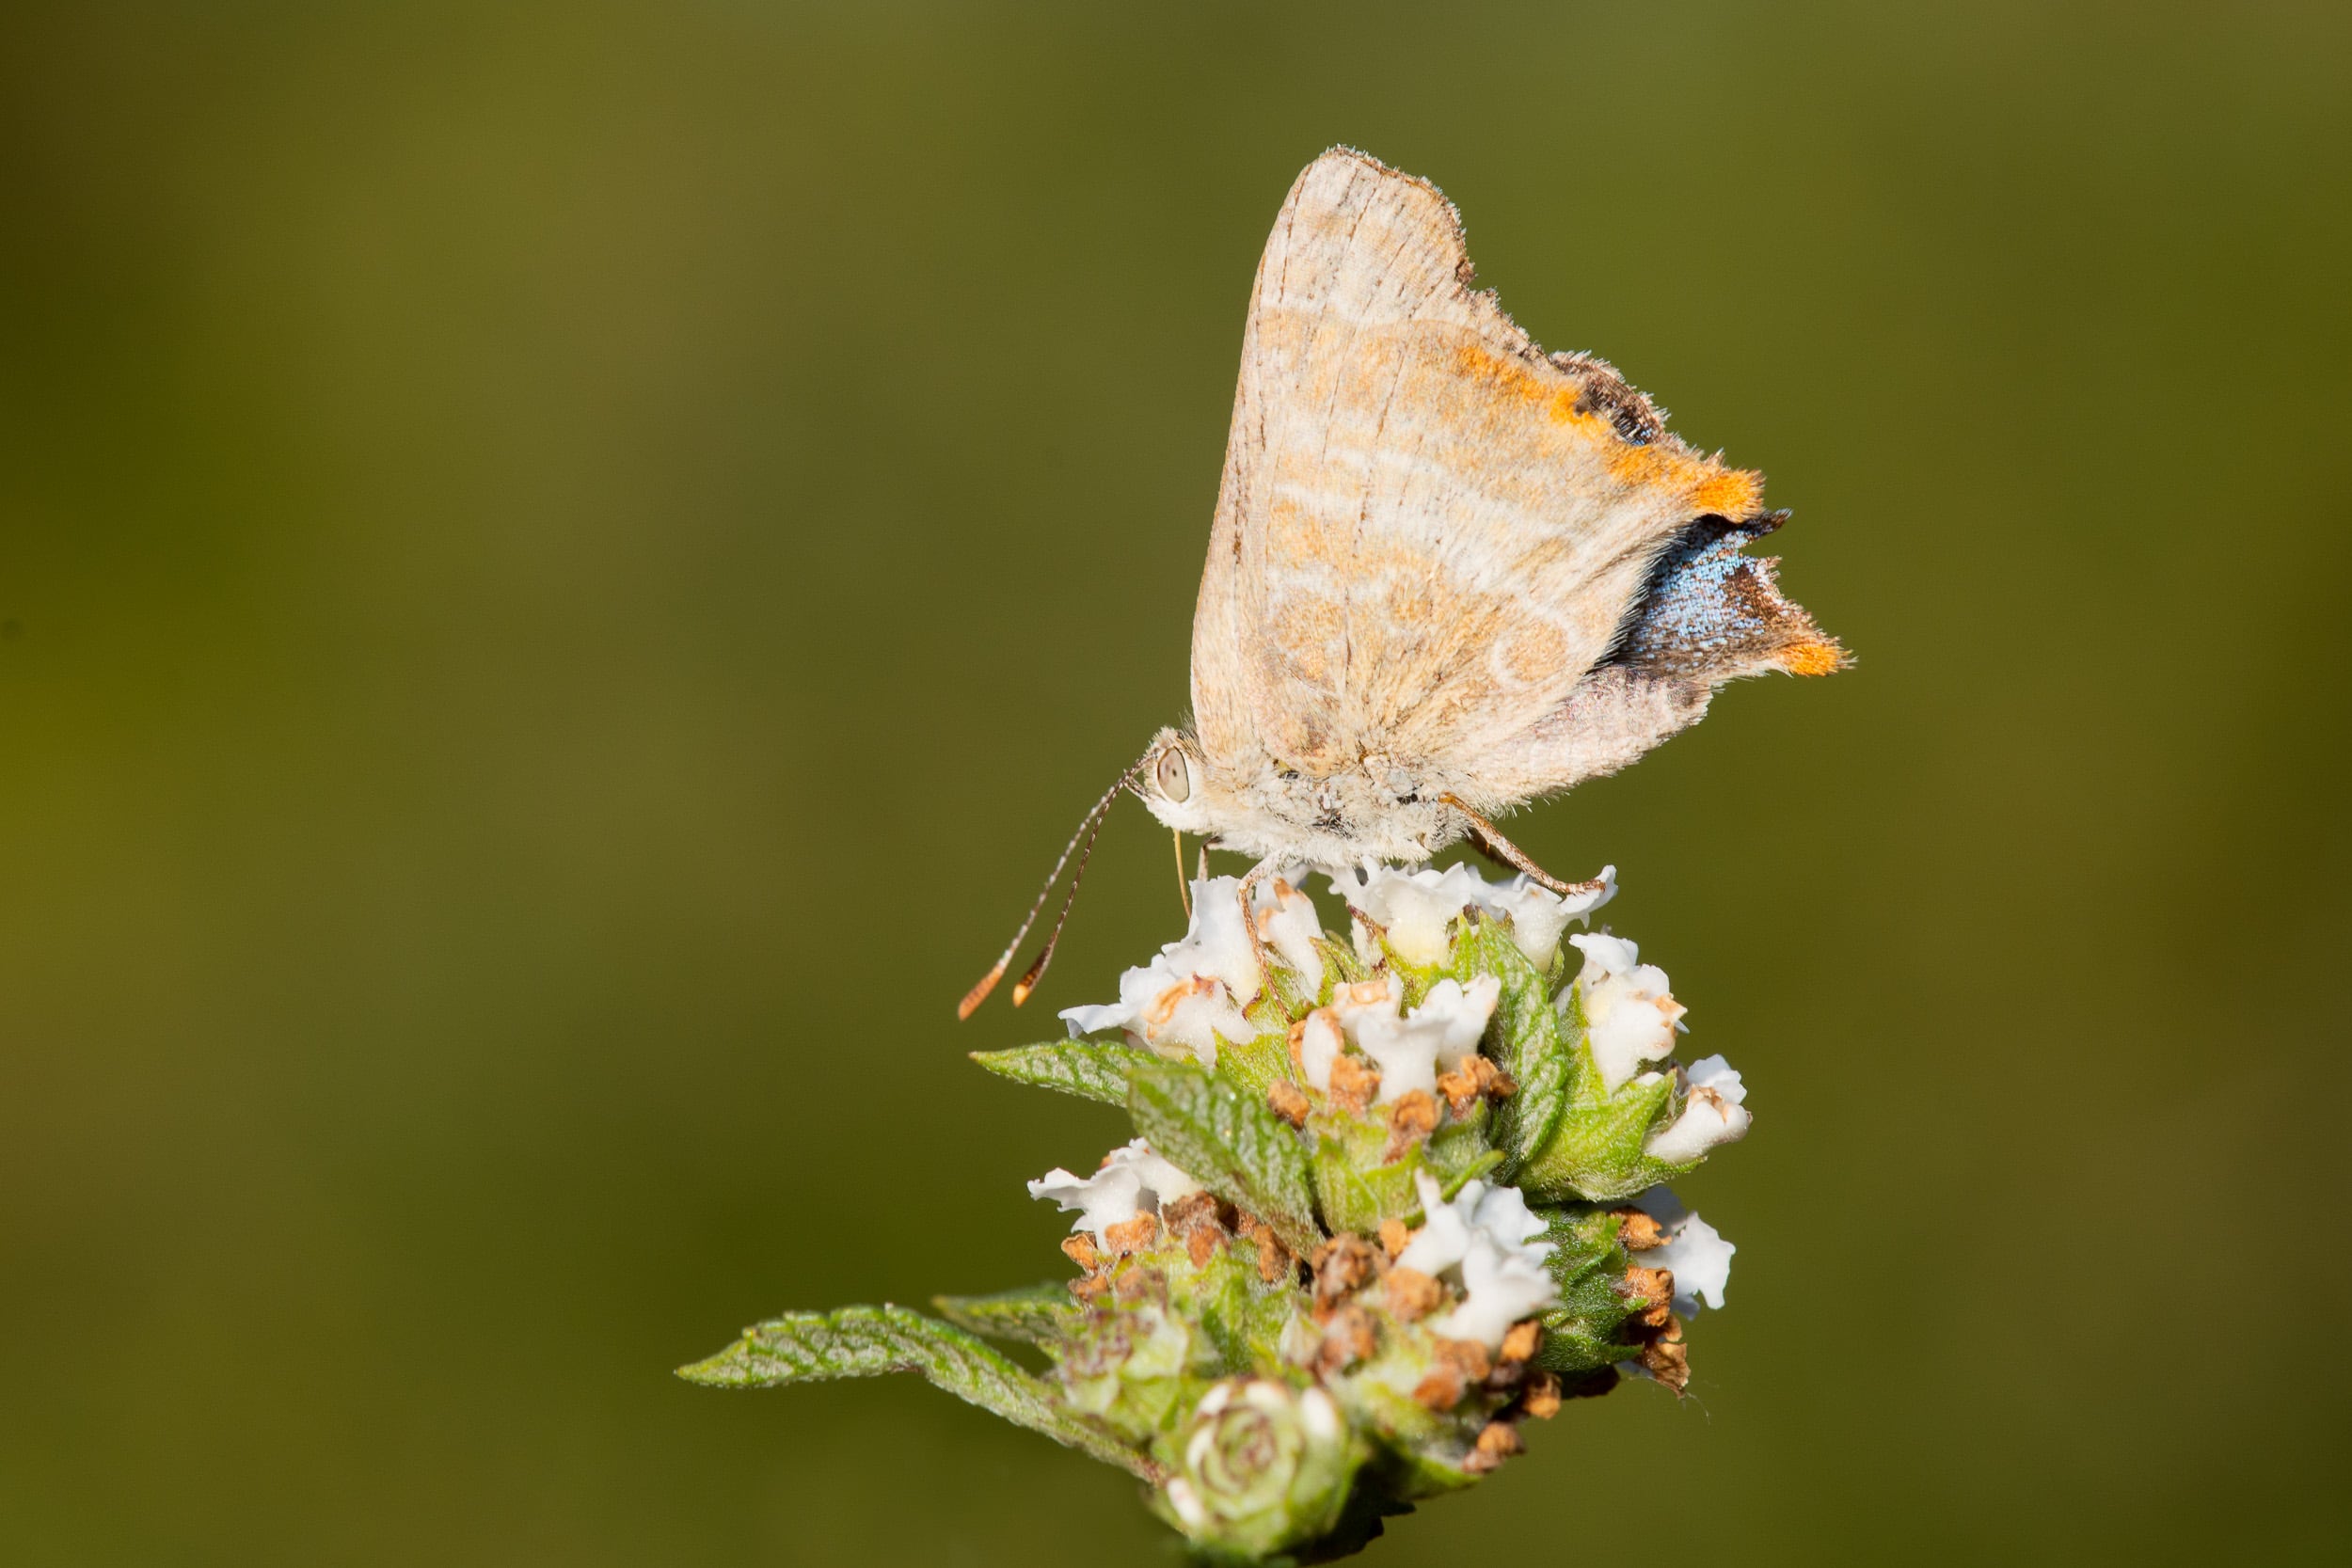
pixel 1357 1191
pixel 868 1341
pixel 1229 1143
pixel 1527 1041
pixel 1257 1062
pixel 1032 1315
pixel 1341 966
pixel 1092 1070
pixel 1584 1331
pixel 1475 1165
pixel 1595 1153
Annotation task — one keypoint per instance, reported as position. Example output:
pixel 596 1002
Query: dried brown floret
pixel 1441 1390
pixel 1354 1082
pixel 1468 1356
pixel 1460 1088
pixel 1637 1230
pixel 1184 1213
pixel 1542 1399
pixel 1342 1266
pixel 1130 1235
pixel 1087 1287
pixel 1201 1244
pixel 1413 1293
pixel 1394 1237
pixel 1519 1344
pixel 1464 1084
pixel 1411 1119
pixel 1288 1102
pixel 1497 1442
pixel 1474 1078
pixel 1348 1339
pixel 1080 1249
pixel 1655 1288
pixel 1274 1259
pixel 1667 1358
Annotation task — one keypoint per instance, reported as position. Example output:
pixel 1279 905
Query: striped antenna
pixel 1082 845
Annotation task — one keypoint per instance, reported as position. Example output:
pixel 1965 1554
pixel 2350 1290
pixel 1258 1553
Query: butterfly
pixel 1449 573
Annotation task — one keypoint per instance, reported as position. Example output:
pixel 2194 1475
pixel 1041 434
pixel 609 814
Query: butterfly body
pixel 1372 807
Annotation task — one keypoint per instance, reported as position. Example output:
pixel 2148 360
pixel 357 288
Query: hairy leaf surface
pixel 869 1341
pixel 1230 1143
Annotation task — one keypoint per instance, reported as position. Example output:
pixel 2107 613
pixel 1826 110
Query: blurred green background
pixel 564 568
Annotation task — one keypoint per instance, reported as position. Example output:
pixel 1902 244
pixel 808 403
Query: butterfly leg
pixel 1257 874
pixel 1492 838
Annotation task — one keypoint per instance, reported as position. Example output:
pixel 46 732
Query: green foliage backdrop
pixel 564 567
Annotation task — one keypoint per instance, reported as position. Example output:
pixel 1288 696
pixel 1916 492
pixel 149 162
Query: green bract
pixel 1273 1278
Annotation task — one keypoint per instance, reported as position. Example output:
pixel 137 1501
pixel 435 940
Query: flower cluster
pixel 1391 1195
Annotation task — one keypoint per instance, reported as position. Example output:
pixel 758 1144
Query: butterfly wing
pixel 1428 531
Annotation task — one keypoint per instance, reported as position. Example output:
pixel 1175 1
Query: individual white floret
pixel 1503 1212
pixel 1415 907
pixel 1319 1045
pixel 1538 915
pixel 1445 1229
pixel 1715 1111
pixel 1501 1286
pixel 1217 942
pixel 1287 923
pixel 1433 1037
pixel 1486 1239
pixel 1629 1011
pixel 1364 999
pixel 1694 1249
pixel 1193 993
pixel 1351 1007
pixel 1133 1181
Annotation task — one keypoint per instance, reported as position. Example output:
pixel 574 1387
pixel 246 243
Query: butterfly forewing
pixel 1428 531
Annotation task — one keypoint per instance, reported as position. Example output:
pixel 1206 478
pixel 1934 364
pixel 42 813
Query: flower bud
pixel 1260 1465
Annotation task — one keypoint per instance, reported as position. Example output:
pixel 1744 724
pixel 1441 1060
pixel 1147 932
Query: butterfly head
pixel 1179 786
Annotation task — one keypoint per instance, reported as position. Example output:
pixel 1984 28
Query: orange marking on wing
pixel 1503 375
pixel 1707 485
pixel 1563 408
pixel 1730 492
pixel 1811 659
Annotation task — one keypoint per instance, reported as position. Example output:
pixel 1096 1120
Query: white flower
pixel 1365 998
pixel 1133 1181
pixel 1694 1249
pixel 1319 1044
pixel 1630 1013
pixel 1502 1287
pixel 1435 1035
pixel 1714 1111
pixel 1287 923
pixel 1416 908
pixel 1538 915
pixel 1193 992
pixel 1326 1029
pixel 1486 1236
pixel 1413 906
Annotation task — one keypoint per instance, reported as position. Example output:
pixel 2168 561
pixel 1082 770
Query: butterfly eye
pixel 1173 774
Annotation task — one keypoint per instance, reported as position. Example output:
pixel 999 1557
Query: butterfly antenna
pixel 1082 845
